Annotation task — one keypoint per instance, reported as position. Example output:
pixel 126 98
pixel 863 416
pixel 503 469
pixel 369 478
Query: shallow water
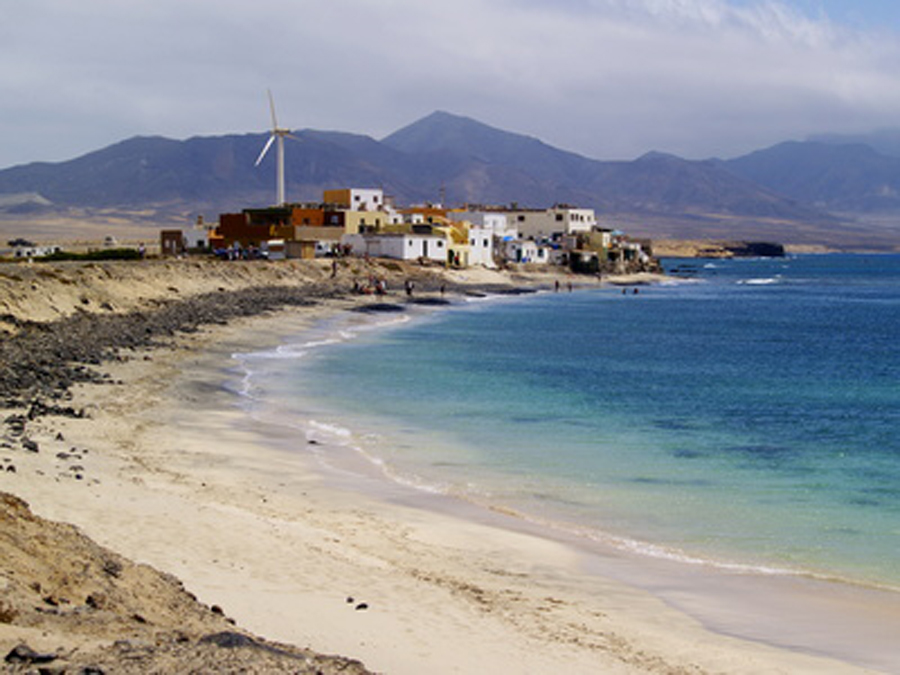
pixel 745 417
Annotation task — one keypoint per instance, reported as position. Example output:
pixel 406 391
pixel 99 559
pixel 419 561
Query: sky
pixel 609 79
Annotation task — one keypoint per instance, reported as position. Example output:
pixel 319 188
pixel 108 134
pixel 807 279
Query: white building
pixel 481 246
pixel 557 220
pixel 357 199
pixel 574 220
pixel 196 238
pixel 34 251
pixel 399 246
pixel 495 221
pixel 525 251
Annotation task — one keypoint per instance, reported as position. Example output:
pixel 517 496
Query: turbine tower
pixel 278 134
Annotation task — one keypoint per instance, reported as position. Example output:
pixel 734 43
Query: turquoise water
pixel 746 416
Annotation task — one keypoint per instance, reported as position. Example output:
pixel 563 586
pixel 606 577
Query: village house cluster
pixel 364 222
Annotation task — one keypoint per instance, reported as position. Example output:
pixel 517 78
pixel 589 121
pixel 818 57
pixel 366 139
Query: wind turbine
pixel 278 134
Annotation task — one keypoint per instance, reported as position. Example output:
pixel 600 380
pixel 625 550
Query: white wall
pixel 481 246
pixel 366 199
pixel 524 250
pixel 398 246
pixel 496 222
pixel 558 219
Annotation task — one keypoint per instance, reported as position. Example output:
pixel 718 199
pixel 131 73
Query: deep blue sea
pixel 746 414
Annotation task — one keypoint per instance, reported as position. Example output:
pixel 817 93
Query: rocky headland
pixel 702 248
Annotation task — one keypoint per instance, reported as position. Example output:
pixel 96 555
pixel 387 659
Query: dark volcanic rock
pixel 25 654
pixel 757 249
pixel 380 307
pixel 43 360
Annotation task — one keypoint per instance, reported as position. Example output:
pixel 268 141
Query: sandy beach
pixel 171 472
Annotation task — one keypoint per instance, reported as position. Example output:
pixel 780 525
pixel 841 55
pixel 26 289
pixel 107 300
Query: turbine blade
pixel 293 137
pixel 265 149
pixel 272 108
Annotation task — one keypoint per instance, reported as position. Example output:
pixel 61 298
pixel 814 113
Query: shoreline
pixel 177 479
pixel 778 607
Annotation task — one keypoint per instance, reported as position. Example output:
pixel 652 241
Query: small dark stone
pixel 362 606
pixel 379 307
pixel 217 610
pixel 112 568
pixel 30 445
pixel 11 468
pixel 25 654
pixel 228 640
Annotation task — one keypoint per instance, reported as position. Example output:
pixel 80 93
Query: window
pixel 440 244
pixel 559 217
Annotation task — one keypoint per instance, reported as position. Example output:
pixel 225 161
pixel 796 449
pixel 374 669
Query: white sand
pixel 174 476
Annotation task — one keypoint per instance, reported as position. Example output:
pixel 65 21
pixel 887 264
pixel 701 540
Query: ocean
pixel 744 415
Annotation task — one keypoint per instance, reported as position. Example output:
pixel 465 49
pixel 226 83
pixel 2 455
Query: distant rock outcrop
pixel 718 249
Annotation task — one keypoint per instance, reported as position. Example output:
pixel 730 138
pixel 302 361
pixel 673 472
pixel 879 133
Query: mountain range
pixel 836 191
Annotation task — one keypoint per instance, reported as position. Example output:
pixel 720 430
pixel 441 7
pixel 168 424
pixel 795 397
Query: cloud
pixel 608 78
